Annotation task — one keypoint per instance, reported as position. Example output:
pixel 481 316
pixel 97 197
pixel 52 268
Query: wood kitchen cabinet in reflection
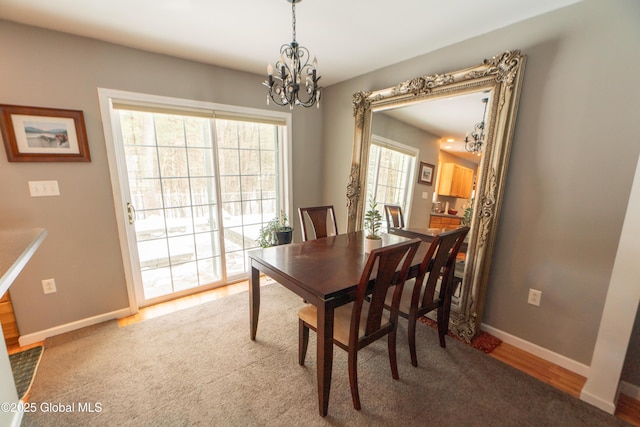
pixel 449 222
pixel 455 181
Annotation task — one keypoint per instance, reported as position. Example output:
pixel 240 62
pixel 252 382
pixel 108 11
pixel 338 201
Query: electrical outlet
pixel 49 286
pixel 534 297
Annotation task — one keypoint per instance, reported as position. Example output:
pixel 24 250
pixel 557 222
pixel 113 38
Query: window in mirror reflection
pixel 390 174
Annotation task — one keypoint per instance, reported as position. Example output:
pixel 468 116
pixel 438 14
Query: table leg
pixel 324 356
pixel 254 300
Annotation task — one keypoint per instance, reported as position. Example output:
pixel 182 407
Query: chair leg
pixel 303 341
pixel 353 378
pixel 443 326
pixel 393 360
pixel 412 339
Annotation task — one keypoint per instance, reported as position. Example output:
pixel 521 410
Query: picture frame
pixel 34 134
pixel 425 174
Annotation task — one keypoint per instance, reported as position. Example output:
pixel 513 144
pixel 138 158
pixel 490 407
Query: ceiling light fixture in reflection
pixel 474 145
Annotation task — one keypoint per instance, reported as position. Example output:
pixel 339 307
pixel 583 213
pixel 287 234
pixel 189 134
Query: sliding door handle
pixel 131 212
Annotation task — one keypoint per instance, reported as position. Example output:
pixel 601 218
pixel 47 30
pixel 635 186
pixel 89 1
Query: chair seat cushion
pixel 341 321
pixel 405 299
pixel 407 293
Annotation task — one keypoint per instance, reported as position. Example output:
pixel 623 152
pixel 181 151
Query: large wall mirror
pixel 433 109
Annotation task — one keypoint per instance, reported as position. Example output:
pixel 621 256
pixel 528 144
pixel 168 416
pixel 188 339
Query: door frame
pixel 120 182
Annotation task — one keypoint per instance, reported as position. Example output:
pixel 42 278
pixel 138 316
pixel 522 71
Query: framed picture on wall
pixel 425 175
pixel 33 134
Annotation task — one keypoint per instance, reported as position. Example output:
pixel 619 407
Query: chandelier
pixel 296 81
pixel 475 144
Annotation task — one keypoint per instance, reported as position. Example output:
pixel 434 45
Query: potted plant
pixel 284 232
pixel 372 224
pixel 276 232
pixel 468 213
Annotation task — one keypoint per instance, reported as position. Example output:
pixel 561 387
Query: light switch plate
pixel 43 188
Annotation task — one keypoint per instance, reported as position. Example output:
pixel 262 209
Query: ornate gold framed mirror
pixel 500 78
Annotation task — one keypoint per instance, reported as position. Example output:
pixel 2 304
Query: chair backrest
pixel 320 218
pixel 394 216
pixel 438 263
pixel 382 265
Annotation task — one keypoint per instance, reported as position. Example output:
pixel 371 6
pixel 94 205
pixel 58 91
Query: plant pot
pixel 371 244
pixel 284 237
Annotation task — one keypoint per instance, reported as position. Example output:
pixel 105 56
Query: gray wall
pixel 572 164
pixel 50 69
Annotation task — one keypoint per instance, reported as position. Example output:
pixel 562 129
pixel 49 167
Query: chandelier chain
pixel 293 12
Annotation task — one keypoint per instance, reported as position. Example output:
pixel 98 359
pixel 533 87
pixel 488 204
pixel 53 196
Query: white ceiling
pixel 349 38
pixel 448 118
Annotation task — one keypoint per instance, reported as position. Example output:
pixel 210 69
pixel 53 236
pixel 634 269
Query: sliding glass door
pixel 198 189
pixel 171 169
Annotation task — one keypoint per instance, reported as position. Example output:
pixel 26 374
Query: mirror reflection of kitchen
pixel 442 141
pixel 446 135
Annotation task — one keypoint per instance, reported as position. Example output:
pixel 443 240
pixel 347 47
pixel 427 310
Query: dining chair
pixel 432 288
pixel 364 321
pixel 393 214
pixel 320 217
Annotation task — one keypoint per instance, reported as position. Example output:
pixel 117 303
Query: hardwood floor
pixel 628 408
pixel 554 375
pixel 185 302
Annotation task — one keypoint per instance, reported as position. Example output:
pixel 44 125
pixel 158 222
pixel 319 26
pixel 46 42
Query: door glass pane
pixel 146 193
pixel 173 161
pixel 150 224
pixel 200 161
pixel 142 162
pixel 203 190
pixel 209 269
pixel 171 167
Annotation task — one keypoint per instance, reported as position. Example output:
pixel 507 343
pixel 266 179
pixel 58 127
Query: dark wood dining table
pixel 324 272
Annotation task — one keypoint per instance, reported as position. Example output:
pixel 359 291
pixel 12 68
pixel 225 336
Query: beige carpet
pixel 199 367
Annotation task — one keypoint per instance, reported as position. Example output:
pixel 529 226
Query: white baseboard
pixel 42 335
pixel 597 401
pixel 548 355
pixel 630 390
